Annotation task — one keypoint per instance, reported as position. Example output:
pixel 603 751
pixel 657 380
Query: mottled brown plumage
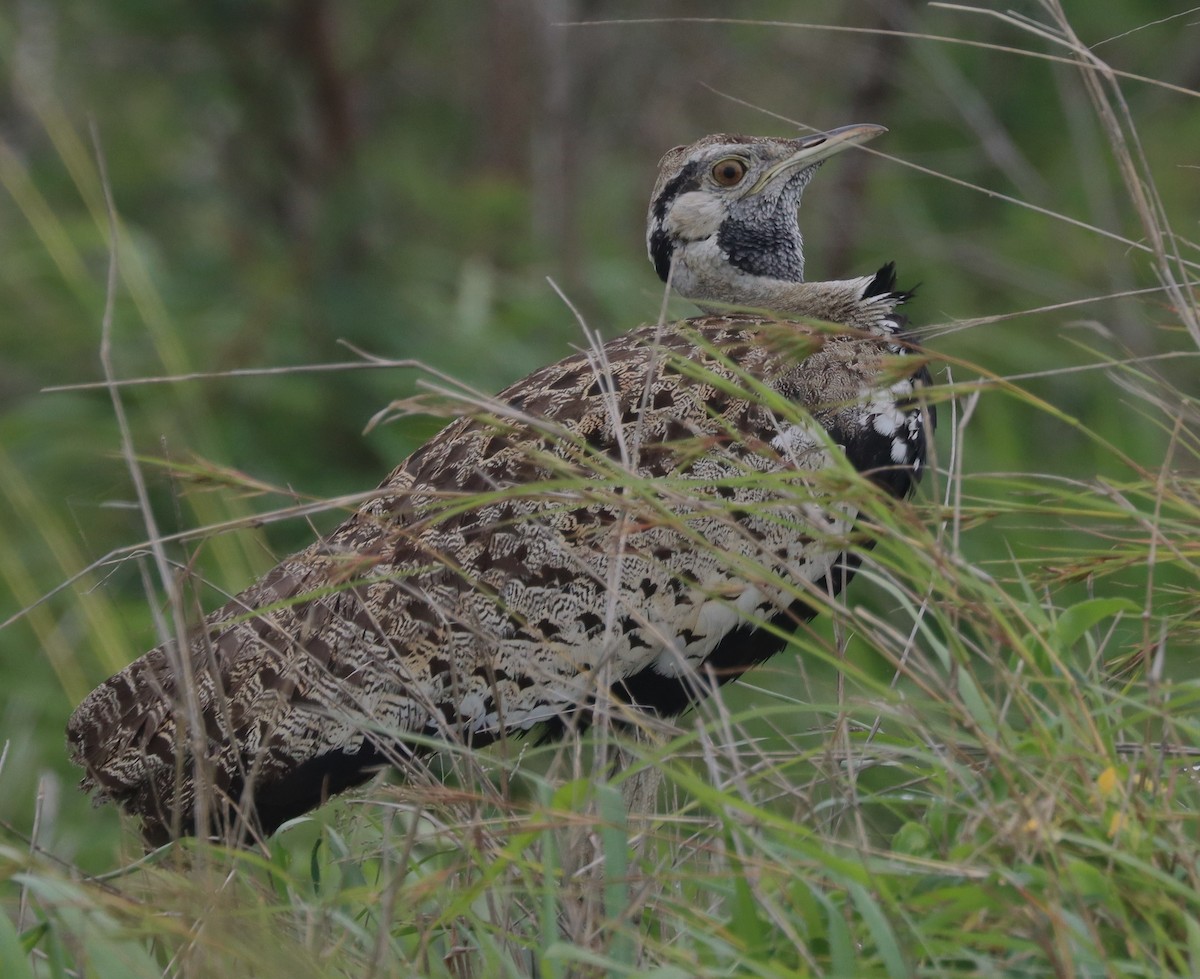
pixel 614 530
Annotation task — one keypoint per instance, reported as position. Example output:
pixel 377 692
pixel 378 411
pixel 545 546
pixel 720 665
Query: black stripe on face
pixel 661 251
pixel 662 247
pixel 683 182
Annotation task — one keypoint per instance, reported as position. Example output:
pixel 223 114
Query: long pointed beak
pixel 817 147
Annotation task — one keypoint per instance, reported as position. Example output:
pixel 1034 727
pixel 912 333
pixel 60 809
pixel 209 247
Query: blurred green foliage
pixel 290 174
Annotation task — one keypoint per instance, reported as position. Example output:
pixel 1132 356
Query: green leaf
pixel 1089 882
pixel 745 922
pixel 1193 937
pixel 1076 620
pixel 841 944
pixel 14 961
pixel 571 796
pixel 913 839
pixel 614 838
pixel 880 930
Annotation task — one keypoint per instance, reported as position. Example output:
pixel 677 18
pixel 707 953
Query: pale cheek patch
pixel 694 216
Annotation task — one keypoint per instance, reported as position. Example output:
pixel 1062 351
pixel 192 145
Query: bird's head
pixel 722 221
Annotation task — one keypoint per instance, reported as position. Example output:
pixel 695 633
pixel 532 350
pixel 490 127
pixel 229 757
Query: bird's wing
pixel 615 515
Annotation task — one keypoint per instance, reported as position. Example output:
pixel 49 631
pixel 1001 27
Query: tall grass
pixel 971 764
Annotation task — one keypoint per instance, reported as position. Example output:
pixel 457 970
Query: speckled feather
pixel 594 538
pixel 419 615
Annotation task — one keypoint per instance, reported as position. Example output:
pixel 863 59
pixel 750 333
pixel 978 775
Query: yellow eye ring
pixel 729 171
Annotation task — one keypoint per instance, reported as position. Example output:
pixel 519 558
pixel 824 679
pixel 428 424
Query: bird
pixel 623 530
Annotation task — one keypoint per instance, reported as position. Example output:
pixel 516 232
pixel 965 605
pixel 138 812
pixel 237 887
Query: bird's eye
pixel 729 172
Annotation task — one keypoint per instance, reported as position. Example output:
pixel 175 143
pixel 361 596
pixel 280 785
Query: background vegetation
pixel 971 768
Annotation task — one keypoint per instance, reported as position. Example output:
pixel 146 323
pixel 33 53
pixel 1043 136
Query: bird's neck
pixel 726 269
pixel 843 301
pixel 757 292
